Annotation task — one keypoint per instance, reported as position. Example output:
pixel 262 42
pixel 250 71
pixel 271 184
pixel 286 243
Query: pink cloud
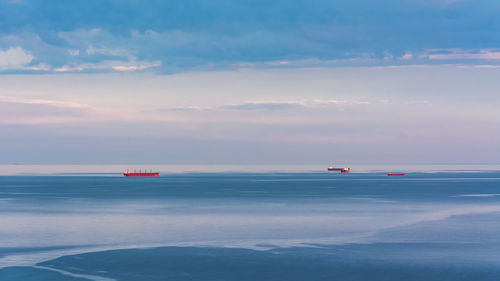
pixel 486 66
pixel 277 63
pixel 68 69
pixel 135 67
pixel 482 55
pixel 407 56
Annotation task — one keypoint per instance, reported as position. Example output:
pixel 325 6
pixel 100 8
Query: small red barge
pixel 391 174
pixel 128 173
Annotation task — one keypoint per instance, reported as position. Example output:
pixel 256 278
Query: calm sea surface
pixel 441 225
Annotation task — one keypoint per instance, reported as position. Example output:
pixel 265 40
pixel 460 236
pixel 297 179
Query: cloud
pixel 269 105
pixel 407 56
pixel 461 113
pixel 279 63
pixel 74 52
pixel 338 103
pixel 463 55
pixel 246 106
pixel 66 68
pixel 39 111
pixel 183 108
pixel 39 67
pixel 201 35
pixel 136 67
pixel 54 103
pixel 91 50
pixel 486 66
pixel 264 106
pixel 14 58
pixel 16 1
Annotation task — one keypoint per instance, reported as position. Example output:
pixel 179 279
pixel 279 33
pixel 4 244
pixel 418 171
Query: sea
pixel 244 222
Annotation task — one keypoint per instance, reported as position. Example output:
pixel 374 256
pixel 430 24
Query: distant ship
pixel 344 170
pixel 399 174
pixel 128 173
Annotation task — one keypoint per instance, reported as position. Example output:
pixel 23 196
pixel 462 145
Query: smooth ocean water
pixel 251 226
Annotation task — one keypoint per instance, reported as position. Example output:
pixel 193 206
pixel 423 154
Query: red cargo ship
pixel 141 174
pixel 391 174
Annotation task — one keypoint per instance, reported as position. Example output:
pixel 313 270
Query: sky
pixel 249 82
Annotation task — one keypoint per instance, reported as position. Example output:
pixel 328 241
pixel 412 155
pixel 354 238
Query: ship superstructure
pixel 343 170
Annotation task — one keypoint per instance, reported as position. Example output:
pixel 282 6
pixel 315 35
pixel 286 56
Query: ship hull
pixel 391 174
pixel 141 174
